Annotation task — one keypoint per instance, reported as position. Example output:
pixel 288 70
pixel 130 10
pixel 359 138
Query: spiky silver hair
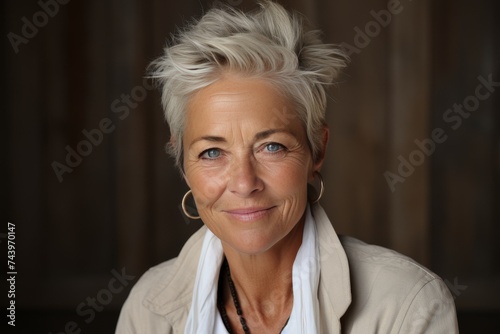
pixel 268 43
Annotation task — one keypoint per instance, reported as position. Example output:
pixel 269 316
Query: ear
pixel 320 158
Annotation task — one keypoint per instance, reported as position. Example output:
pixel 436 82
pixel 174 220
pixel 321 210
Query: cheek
pixel 289 182
pixel 207 187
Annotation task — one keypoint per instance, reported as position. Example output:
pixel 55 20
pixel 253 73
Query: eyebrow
pixel 258 136
pixel 266 133
pixel 214 139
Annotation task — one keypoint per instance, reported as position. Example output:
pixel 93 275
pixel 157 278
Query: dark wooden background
pixel 119 208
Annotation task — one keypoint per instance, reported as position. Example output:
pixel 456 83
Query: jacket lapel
pixel 334 287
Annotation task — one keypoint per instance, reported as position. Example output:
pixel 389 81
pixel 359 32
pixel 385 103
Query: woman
pixel 245 98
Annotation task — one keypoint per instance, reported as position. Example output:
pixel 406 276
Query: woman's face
pixel 247 161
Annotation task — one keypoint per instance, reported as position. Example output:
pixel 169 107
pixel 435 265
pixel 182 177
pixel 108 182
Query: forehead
pixel 238 100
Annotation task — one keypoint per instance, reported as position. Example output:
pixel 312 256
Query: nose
pixel 243 177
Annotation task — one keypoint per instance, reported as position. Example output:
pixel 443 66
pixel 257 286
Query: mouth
pixel 249 214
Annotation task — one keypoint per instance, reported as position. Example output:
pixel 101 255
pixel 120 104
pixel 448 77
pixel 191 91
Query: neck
pixel 265 279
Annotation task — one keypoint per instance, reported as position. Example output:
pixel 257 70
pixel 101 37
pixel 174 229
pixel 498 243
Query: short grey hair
pixel 268 43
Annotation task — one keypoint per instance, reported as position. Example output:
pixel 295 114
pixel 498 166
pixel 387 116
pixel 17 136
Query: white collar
pixel 204 316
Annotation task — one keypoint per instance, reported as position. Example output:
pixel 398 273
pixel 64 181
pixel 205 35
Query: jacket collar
pixel 335 285
pixel 172 295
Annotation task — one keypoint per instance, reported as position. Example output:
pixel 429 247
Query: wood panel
pixel 410 103
pixel 465 169
pixel 356 196
pixel 24 179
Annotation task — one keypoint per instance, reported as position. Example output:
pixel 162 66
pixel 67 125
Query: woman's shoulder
pixel 160 298
pixel 383 268
pixel 367 257
pixel 154 277
pixel 174 271
pixel 138 314
pixel 394 291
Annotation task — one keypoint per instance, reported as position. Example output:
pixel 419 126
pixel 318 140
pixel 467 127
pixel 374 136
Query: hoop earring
pixel 321 189
pixel 183 204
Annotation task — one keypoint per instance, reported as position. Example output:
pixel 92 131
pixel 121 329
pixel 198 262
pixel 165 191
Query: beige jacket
pixel 390 293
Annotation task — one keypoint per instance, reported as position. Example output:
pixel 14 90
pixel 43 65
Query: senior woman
pixel 245 98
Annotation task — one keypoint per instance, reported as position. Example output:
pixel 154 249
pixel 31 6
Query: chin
pixel 253 243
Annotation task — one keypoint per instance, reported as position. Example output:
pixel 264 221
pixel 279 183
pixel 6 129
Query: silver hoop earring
pixel 183 204
pixel 321 189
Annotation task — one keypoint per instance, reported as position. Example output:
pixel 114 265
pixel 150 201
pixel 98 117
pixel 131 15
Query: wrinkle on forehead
pixel 233 88
pixel 238 108
pixel 230 97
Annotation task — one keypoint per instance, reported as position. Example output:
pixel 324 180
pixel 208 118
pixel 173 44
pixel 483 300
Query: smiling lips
pixel 249 214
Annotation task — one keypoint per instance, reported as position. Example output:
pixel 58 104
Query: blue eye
pixel 211 153
pixel 274 147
